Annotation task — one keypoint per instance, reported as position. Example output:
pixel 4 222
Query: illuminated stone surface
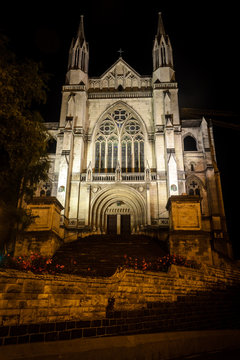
pixel 185 212
pixel 44 235
pixel 174 300
pixel 120 139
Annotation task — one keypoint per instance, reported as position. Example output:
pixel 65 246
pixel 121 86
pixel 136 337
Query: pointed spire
pixel 160 28
pixel 162 50
pixel 80 34
pixel 78 52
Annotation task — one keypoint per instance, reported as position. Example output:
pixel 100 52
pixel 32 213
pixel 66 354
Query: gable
pixel 121 68
pixel 120 76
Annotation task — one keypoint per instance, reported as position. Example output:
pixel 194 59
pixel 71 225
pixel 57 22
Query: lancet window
pixel 163 55
pixel 76 60
pixel 120 140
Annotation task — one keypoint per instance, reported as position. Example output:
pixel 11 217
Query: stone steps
pixel 102 254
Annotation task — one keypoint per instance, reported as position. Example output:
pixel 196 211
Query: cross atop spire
pixel 120 51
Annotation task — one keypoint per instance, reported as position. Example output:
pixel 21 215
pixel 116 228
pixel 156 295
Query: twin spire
pixel 80 33
pixel 79 52
pixel 162 49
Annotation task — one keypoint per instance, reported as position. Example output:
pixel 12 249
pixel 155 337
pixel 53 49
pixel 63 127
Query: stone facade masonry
pixel 96 167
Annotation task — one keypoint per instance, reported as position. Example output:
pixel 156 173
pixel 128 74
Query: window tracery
pixel 119 139
pixel 193 187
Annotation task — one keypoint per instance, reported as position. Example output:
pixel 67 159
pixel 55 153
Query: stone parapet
pixel 46 211
pixel 185 212
pixel 44 235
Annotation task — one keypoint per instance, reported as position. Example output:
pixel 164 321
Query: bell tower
pixel 168 139
pixel 71 137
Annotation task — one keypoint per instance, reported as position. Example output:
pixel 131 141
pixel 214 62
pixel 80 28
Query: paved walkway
pixel 162 346
pixel 227 354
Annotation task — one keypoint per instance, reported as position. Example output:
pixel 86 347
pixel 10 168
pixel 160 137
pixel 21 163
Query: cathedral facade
pixel 122 150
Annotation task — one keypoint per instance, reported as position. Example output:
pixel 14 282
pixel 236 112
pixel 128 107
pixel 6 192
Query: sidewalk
pixel 133 347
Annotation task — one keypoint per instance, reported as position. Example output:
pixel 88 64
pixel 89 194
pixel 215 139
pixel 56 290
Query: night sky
pixel 204 37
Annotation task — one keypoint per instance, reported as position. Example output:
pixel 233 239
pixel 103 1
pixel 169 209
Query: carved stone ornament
pixel 95 189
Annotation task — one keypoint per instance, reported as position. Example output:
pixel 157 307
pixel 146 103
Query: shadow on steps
pixel 101 255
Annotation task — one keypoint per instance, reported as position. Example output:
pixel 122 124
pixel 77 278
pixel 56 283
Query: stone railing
pixel 118 94
pixel 112 177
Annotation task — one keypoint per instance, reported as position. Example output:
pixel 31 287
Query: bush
pixel 39 264
pixel 158 263
pixel 34 262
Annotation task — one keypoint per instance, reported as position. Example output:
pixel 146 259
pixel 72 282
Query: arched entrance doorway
pixel 118 210
pixel 118 219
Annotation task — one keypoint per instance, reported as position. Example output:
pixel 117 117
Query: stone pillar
pixel 118 224
pixel 43 236
pixel 186 237
pixel 148 206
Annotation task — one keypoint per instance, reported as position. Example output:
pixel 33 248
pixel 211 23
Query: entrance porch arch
pixel 106 198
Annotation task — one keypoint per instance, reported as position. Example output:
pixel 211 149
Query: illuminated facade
pixel 122 149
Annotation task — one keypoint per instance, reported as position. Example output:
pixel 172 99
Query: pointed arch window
pixel 190 143
pixel 156 59
pixel 76 58
pixel 124 156
pixel 100 153
pixel 163 55
pixel 51 146
pixel 119 139
pixel 83 61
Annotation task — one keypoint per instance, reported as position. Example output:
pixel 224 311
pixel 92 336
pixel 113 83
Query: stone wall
pixel 45 308
pixel 194 245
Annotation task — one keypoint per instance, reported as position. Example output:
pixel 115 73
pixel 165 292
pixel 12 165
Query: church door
pixel 125 224
pixel 112 224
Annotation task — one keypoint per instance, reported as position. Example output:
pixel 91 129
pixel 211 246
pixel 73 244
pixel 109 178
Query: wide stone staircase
pixel 101 255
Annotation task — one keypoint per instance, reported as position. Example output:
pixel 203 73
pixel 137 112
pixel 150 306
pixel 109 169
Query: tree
pixel 23 137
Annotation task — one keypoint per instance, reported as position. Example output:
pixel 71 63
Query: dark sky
pixel 204 37
pixel 204 40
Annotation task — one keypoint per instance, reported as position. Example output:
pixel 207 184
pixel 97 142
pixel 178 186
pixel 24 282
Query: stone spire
pixel 78 52
pixel 162 50
pixel 80 34
pixel 78 58
pixel 160 28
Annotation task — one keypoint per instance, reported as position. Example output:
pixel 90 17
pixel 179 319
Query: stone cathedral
pixel 122 150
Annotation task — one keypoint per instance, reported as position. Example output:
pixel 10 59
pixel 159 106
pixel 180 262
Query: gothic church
pixel 122 150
